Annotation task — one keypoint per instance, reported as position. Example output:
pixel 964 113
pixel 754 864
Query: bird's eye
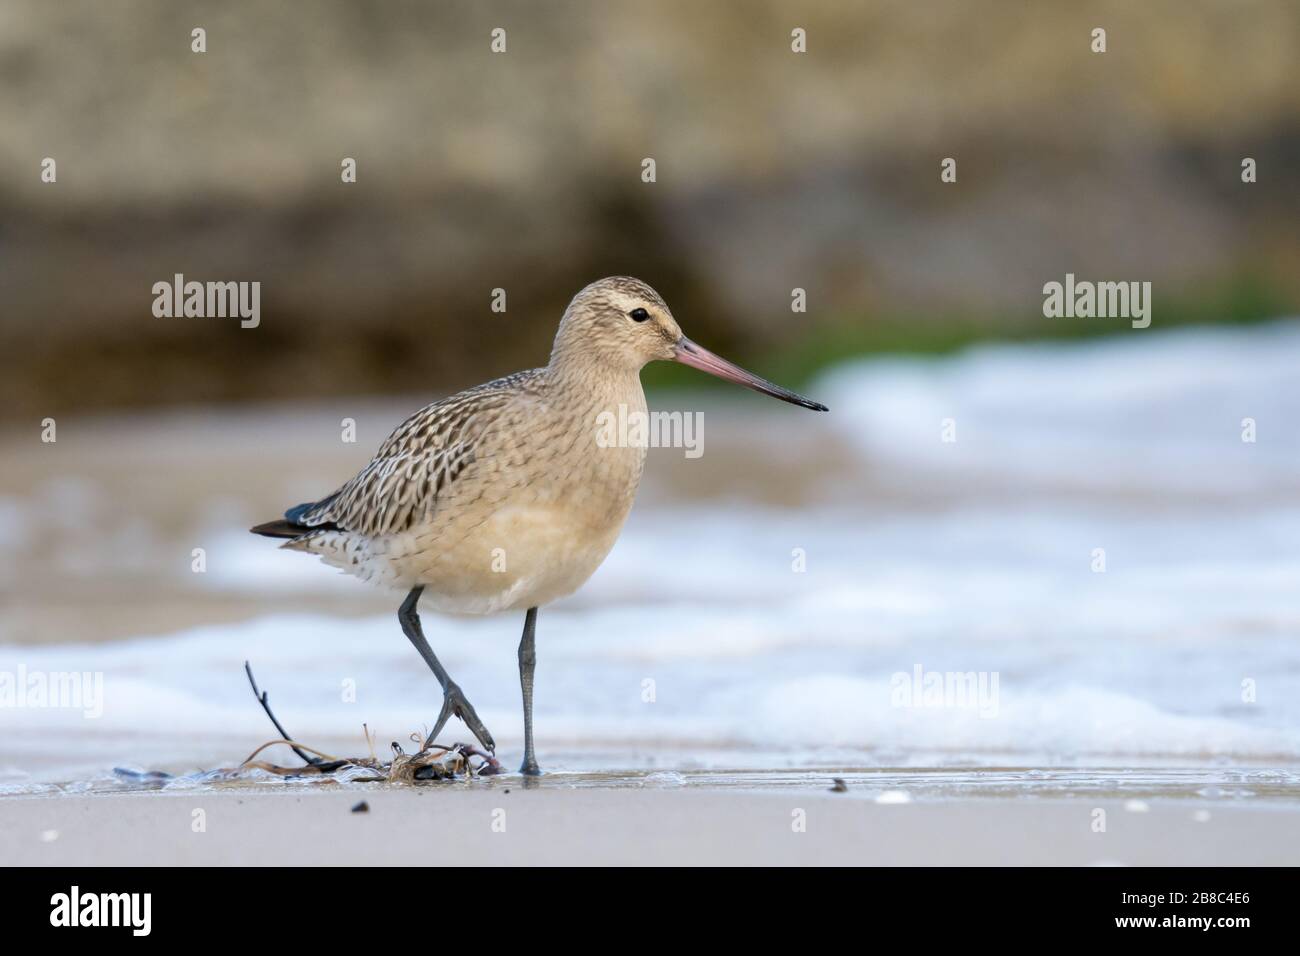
pixel 638 315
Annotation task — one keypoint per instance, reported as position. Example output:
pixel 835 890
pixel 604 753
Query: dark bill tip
pixel 688 353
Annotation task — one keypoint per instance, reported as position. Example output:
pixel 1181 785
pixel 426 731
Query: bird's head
pixel 622 323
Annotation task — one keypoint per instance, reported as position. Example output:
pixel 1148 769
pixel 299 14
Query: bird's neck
pixel 596 384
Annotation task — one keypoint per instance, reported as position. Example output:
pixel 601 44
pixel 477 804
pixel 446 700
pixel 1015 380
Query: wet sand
pixel 512 821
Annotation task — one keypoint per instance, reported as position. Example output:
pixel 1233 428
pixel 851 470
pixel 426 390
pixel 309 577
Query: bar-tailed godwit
pixel 502 497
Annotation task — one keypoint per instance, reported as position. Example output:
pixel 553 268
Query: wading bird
pixel 501 497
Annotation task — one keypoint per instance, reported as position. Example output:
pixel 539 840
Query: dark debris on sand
pixel 432 762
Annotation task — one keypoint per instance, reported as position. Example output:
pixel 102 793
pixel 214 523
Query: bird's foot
pixel 530 768
pixel 454 702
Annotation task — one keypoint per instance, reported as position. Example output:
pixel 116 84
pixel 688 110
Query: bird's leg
pixel 527 660
pixel 453 699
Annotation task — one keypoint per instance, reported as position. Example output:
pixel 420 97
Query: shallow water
pixel 1258 786
pixel 773 609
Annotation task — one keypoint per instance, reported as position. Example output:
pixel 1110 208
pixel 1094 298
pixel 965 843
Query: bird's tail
pixel 292 525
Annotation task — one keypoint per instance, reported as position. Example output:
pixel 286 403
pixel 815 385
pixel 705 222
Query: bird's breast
pixel 545 523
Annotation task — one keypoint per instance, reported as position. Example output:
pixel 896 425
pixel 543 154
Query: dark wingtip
pixel 278 529
pixel 296 513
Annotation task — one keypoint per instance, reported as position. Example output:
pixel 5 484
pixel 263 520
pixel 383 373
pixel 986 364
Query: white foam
pixel 1143 411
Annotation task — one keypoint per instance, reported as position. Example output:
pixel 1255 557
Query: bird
pixel 507 496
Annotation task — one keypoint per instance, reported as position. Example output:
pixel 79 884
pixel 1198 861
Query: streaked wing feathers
pixel 419 463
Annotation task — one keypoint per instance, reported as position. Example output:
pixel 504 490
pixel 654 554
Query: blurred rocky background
pixel 522 171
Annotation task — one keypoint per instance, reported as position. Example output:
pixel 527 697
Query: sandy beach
pixel 634 821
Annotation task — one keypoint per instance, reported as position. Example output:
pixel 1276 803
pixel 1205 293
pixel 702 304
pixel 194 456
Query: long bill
pixel 688 353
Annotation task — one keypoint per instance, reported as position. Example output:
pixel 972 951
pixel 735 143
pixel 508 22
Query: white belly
pixel 520 557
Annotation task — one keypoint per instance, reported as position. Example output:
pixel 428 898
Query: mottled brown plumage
pixel 499 497
pixel 502 496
